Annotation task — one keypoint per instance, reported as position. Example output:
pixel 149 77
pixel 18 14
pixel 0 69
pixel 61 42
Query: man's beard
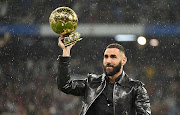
pixel 115 69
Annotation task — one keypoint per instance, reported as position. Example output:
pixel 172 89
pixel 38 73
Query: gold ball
pixel 63 20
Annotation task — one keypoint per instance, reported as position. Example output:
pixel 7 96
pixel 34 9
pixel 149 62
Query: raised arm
pixel 64 81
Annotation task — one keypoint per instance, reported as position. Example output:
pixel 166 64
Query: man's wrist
pixel 66 53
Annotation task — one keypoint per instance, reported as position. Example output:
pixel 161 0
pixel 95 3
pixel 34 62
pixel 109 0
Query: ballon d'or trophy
pixel 63 21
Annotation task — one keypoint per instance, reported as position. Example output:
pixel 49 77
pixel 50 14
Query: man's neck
pixel 113 78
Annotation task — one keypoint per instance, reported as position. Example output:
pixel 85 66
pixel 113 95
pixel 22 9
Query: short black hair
pixel 116 45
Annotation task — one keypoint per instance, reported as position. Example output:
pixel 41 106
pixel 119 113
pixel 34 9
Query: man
pixel 112 93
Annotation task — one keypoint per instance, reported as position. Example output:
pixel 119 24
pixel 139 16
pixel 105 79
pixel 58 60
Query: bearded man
pixel 112 93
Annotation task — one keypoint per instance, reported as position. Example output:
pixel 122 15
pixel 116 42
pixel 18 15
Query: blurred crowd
pixel 92 11
pixel 28 75
pixel 28 87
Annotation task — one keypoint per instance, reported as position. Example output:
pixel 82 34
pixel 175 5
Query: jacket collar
pixel 116 80
pixel 125 80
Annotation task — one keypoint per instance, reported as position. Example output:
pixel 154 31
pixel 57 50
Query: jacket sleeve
pixel 64 81
pixel 142 101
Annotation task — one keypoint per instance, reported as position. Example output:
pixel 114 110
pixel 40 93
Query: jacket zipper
pixel 113 98
pixel 96 96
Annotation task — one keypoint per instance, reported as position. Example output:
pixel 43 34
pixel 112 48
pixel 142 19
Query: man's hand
pixel 67 49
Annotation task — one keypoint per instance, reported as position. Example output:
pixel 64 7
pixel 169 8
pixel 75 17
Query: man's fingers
pixel 74 43
pixel 61 38
pixel 60 43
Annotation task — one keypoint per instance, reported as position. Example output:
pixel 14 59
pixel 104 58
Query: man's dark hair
pixel 116 45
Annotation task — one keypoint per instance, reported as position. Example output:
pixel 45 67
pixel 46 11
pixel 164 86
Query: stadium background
pixel 28 52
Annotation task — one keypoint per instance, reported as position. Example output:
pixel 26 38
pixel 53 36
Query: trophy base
pixel 68 44
pixel 72 38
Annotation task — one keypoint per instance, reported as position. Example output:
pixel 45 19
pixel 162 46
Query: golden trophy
pixel 63 21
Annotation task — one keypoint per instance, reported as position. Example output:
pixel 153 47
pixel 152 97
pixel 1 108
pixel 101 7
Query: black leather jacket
pixel 129 96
